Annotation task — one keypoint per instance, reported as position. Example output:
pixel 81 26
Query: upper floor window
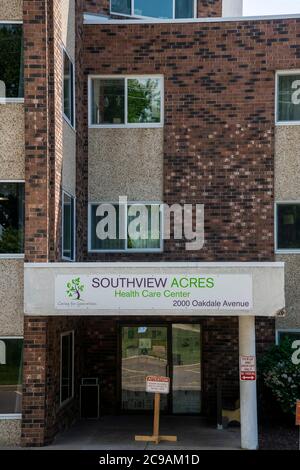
pixel 288 227
pixel 132 227
pixel 126 101
pixel 164 9
pixel 68 90
pixel 11 62
pixel 288 98
pixel 68 227
pixel 11 350
pixel 11 218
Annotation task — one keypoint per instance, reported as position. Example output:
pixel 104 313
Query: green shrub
pixel 281 375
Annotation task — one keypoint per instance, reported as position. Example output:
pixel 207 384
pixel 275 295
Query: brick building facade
pixel 216 145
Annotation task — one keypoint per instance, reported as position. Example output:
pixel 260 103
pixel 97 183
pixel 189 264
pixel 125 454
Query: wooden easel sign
pixel 157 385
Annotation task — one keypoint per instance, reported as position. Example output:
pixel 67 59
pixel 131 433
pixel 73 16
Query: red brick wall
pixel 219 122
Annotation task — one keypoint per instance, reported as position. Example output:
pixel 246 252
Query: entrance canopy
pixel 236 289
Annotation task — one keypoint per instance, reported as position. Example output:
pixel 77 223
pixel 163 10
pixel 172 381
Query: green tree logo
pixel 74 289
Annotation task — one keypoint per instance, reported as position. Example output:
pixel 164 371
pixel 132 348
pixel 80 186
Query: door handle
pixel 167 370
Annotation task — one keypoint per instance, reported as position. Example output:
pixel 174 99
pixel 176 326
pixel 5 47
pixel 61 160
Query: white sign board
pixel 247 368
pixel 157 384
pixel 218 292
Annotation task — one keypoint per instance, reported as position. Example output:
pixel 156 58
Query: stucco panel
pixel 10 432
pixel 12 141
pixel 123 162
pixel 69 159
pixel 292 291
pixel 11 9
pixel 11 297
pixel 287 163
pixel 68 26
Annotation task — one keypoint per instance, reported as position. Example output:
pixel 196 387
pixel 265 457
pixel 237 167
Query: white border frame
pixel 68 400
pixel 282 73
pixel 73 126
pixel 11 416
pixel 126 125
pixel 132 15
pixel 14 255
pixel 12 100
pixel 127 250
pixel 282 251
pixel 64 192
pixel 285 330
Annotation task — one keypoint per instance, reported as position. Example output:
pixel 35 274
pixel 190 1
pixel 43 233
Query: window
pixel 155 9
pixel 134 227
pixel 68 224
pixel 126 101
pixel 11 218
pixel 288 98
pixel 11 61
pixel 293 335
pixel 288 227
pixel 67 367
pixel 11 352
pixel 68 89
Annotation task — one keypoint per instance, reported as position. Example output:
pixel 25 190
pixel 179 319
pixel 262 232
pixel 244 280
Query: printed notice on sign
pixel 157 384
pixel 247 368
pixel 224 292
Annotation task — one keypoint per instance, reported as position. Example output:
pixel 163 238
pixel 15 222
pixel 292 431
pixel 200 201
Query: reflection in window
pixel 288 226
pixel 144 101
pixel 68 89
pixel 289 98
pixel 68 234
pixel 144 97
pixel 11 351
pixel 122 7
pixel 154 9
pixel 67 367
pixel 11 61
pixel 184 8
pixel 11 218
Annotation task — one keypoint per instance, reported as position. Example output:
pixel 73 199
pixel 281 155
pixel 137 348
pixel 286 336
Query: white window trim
pixel 13 255
pixel 132 15
pixel 127 250
pixel 73 126
pixel 74 227
pixel 68 400
pixel 5 416
pixel 285 330
pixel 126 125
pixel 282 251
pixel 281 73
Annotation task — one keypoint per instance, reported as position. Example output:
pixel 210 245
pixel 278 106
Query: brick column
pixel 34 382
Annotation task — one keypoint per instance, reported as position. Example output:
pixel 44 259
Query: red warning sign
pixel 247 368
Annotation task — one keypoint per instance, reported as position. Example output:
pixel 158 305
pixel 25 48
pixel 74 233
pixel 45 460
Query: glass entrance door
pixel 186 358
pixel 144 352
pixel 172 350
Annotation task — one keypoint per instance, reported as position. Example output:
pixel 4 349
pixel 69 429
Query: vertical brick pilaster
pixel 34 382
pixel 209 8
pixel 35 17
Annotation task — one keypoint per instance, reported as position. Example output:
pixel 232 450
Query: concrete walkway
pixel 117 433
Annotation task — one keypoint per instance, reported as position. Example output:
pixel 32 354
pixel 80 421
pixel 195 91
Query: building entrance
pixel 172 350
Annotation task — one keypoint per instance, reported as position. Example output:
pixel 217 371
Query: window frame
pixel 283 250
pixel 126 125
pixel 285 330
pixel 16 416
pixel 282 73
pixel 69 399
pixel 12 100
pixel 126 249
pixel 14 255
pixel 64 192
pixel 132 15
pixel 68 121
